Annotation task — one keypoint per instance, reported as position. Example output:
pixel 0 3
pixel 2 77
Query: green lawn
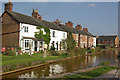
pixel 92 73
pixel 11 60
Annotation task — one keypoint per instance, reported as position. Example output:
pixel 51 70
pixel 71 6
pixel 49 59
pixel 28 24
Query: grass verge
pixel 92 73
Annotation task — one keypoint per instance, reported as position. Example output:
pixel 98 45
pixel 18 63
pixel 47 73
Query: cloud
pixel 92 5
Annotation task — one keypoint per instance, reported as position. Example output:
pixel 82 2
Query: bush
pixel 97 49
pixel 10 53
pixel 76 51
pixel 104 63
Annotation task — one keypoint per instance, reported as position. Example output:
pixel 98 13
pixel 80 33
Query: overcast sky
pixel 101 18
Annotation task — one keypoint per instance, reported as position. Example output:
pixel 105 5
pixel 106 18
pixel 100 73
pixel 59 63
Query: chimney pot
pixel 85 29
pixel 70 24
pixel 8 6
pixel 79 27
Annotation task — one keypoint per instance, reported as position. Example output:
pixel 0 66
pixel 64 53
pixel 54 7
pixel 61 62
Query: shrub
pixel 10 52
pixel 104 63
pixel 97 49
pixel 76 51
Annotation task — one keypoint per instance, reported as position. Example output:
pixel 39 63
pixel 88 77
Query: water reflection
pixel 28 75
pixel 56 69
pixel 70 65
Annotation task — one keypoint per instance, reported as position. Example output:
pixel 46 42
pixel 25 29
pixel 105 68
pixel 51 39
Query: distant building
pixel 108 41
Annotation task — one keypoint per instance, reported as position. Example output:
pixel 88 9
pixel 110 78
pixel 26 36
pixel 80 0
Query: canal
pixel 66 66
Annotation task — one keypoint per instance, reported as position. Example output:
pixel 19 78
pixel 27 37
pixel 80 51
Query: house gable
pixel 10 30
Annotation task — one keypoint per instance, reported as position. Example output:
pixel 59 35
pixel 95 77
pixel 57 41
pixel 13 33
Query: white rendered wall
pixel 58 37
pixel 94 41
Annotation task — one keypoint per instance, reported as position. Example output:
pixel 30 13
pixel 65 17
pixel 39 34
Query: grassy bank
pixel 10 63
pixel 8 60
pixel 92 73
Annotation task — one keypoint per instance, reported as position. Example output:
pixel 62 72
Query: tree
pixel 69 41
pixel 44 35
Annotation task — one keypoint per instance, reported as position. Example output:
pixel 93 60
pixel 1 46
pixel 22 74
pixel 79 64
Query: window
pixel 63 35
pixel 25 29
pixel 53 33
pixel 26 43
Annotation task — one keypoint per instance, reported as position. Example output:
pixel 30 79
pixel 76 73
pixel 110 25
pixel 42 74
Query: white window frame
pixel 25 29
pixel 53 34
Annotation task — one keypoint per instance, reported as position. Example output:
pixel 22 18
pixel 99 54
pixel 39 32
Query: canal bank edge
pixel 74 72
pixel 48 62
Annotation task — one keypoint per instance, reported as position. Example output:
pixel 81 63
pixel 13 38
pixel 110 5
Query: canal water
pixel 70 65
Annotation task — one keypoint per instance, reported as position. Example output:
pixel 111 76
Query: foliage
pixel 97 49
pixel 104 63
pixel 40 34
pixel 19 48
pixel 69 41
pixel 76 51
pixel 92 73
pixel 10 52
pixel 52 48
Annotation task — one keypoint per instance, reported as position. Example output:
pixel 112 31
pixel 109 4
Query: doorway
pixel 35 45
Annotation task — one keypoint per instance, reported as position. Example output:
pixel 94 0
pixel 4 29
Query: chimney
pixel 8 6
pixel 36 15
pixel 85 29
pixel 79 27
pixel 69 24
pixel 40 17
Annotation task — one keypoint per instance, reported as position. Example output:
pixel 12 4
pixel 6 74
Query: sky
pixel 61 0
pixel 101 18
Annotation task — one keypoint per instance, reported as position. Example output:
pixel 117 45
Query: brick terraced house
pixel 108 41
pixel 83 38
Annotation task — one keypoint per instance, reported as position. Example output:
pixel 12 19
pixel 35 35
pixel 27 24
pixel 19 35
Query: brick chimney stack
pixel 36 15
pixel 79 27
pixel 69 23
pixel 85 29
pixel 8 6
pixel 40 17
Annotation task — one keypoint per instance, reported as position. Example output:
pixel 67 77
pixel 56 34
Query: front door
pixel 35 45
pixel 57 45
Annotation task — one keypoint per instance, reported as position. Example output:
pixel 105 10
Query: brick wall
pixel 117 41
pixel 9 25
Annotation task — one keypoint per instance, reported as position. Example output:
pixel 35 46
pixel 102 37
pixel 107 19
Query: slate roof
pixel 66 28
pixel 51 25
pixel 74 30
pixel 107 37
pixel 21 18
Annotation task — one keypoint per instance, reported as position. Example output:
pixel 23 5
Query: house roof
pixel 21 18
pixel 74 30
pixel 51 25
pixel 66 28
pixel 112 37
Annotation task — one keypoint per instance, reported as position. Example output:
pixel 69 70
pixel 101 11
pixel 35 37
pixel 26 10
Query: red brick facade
pixel 108 43
pixel 9 30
